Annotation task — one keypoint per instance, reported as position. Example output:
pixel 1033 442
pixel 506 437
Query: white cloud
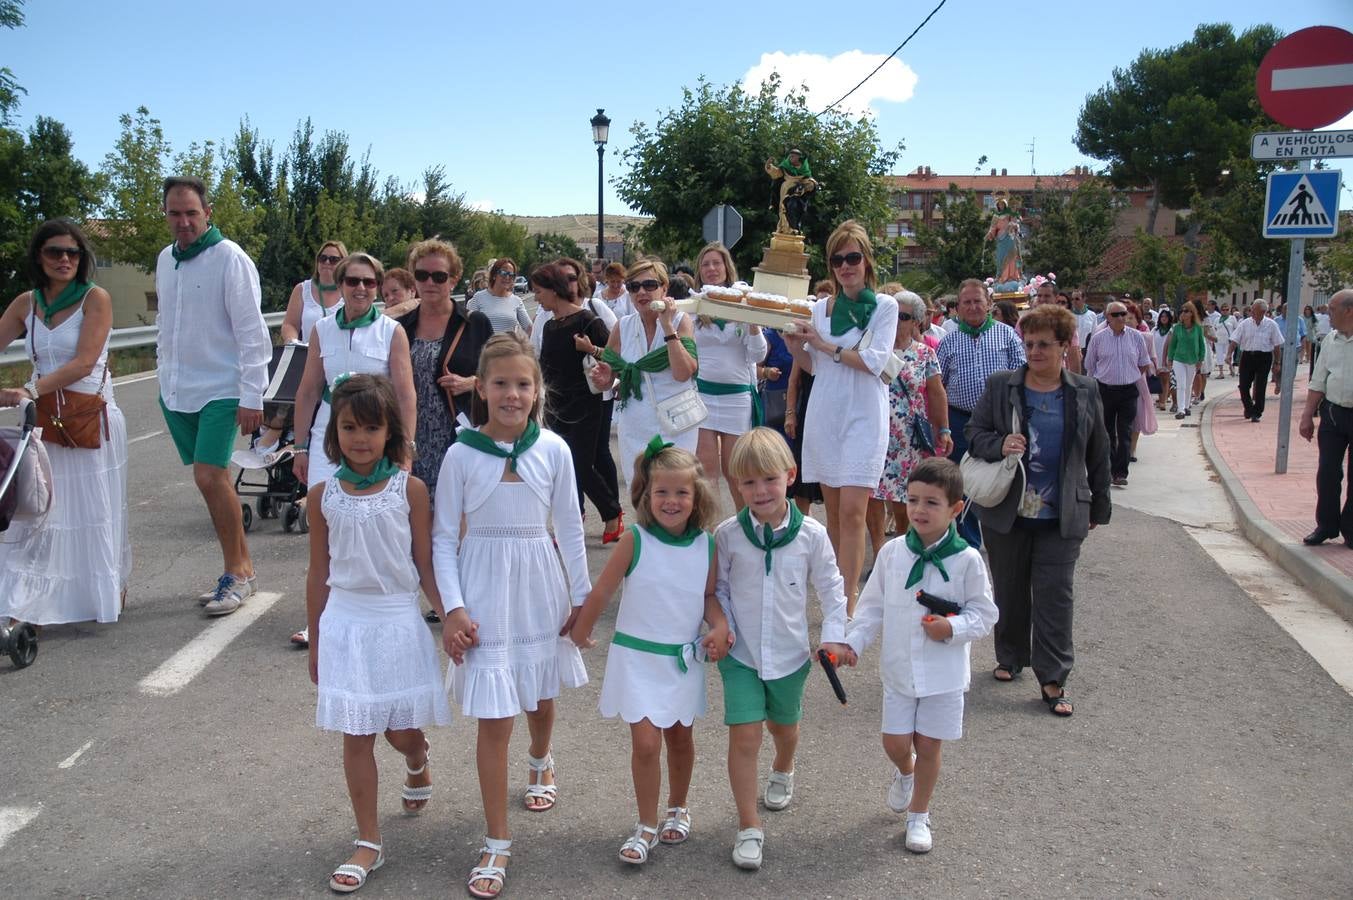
pixel 827 78
pixel 483 205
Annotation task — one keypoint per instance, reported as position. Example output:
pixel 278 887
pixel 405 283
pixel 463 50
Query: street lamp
pixel 601 130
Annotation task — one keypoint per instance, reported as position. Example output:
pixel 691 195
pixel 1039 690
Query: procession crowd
pixel 447 450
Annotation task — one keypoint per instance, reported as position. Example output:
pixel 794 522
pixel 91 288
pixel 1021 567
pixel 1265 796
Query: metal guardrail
pixel 118 339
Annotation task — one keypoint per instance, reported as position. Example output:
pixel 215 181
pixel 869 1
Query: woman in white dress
pixel 845 432
pixel 318 296
pixel 653 355
pixel 729 354
pixel 356 339
pixel 74 568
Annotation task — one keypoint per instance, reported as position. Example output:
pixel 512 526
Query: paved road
pixel 1208 755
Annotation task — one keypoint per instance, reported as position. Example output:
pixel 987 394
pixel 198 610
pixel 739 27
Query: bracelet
pixel 945 431
pixel 671 337
pixel 413 445
pixel 297 451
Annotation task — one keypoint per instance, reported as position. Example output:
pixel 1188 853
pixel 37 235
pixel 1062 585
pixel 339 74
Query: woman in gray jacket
pixel 1033 537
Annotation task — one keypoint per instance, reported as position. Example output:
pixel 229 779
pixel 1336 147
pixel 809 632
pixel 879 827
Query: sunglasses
pixel 329 260
pixel 56 254
pixel 353 281
pixel 846 259
pixel 904 317
pixel 1117 315
pixel 648 284
pixel 501 272
pixel 437 277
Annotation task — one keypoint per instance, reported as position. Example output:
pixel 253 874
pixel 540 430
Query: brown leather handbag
pixel 72 419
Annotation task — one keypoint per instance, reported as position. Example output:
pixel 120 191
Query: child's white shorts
pixel 938 716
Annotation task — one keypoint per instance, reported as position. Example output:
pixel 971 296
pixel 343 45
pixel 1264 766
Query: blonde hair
pixel 730 271
pixel 705 512
pixel 437 247
pixel 848 231
pixel 337 245
pixel 360 257
pixel 650 264
pixel 760 451
pixel 505 346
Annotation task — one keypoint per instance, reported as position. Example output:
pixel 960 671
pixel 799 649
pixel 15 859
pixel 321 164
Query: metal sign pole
pixel 721 225
pixel 1291 349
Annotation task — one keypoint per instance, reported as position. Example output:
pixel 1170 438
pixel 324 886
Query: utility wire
pixel 885 60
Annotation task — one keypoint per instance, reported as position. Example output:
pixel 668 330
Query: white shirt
pixel 1085 325
pixel 769 613
pixel 948 326
pixel 213 343
pixel 1229 325
pixel 1322 324
pixel 937 332
pixel 1258 337
pixel 911 663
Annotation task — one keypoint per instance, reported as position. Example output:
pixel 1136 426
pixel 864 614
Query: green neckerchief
pixel 723 389
pixel 685 539
pixel 72 294
pixel 800 170
pixel 631 373
pixel 210 238
pixel 770 542
pixel 950 544
pixel 382 470
pixel 480 441
pixel 365 319
pixel 979 330
pixel 848 313
pixel 325 287
pixel 720 322
pixel 1164 327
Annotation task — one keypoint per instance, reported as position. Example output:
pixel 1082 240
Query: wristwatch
pixel 836 354
pixel 670 337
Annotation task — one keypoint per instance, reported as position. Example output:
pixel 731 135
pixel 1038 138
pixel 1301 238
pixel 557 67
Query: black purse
pixel 921 437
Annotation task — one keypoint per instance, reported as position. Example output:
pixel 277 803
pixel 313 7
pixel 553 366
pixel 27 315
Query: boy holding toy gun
pixel 930 594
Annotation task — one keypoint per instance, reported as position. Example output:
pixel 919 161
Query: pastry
pixel 723 294
pixel 767 301
pixel 802 308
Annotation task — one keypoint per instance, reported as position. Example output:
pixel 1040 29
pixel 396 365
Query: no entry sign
pixel 1306 80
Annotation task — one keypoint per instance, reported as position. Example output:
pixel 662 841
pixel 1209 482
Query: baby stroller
pixel 25 497
pixel 276 491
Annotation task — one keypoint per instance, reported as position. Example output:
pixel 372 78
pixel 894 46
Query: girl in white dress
pixel 653 354
pixel 371 653
pixel 653 677
pixel 730 353
pixel 74 568
pixel 508 480
pixel 845 429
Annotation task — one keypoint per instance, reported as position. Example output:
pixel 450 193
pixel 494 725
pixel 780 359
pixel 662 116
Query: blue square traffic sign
pixel 1302 204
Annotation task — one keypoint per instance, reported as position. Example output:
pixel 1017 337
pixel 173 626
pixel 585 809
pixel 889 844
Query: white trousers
pixel 1183 383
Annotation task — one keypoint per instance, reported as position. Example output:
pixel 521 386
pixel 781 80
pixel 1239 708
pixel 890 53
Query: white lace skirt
pixel 378 666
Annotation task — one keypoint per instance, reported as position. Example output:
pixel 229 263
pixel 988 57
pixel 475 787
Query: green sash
pixel 771 543
pixel 950 545
pixel 210 238
pixel 382 470
pixel 723 389
pixel 72 294
pixel 631 373
pixel 480 441
pixel 643 646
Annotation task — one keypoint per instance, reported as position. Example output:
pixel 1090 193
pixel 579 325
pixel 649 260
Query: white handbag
pixel 590 363
pixel 678 413
pixel 989 483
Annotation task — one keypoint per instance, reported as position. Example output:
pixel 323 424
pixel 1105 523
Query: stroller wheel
pixel 266 510
pixel 293 513
pixel 21 643
pixel 302 521
pixel 247 513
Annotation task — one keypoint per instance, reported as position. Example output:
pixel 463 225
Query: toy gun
pixel 938 605
pixel 828 661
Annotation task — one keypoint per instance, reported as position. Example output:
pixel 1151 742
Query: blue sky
pixel 501 93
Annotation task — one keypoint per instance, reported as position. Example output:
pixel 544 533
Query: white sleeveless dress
pixel 378 663
pixel 312 310
pixel 729 355
pixel 663 601
pixel 364 350
pixel 637 420
pixel 76 565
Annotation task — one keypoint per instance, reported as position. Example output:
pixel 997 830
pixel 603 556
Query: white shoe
pixel 231 592
pixel 899 792
pixel 779 790
pixel 207 596
pixel 918 833
pixel 747 848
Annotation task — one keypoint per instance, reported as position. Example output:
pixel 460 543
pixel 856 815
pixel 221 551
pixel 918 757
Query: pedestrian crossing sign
pixel 1302 204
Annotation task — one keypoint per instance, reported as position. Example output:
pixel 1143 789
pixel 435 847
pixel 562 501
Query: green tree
pixel 134 206
pixel 1071 231
pixel 11 16
pixel 956 247
pixel 711 149
pixel 547 247
pixel 1157 264
pixel 1333 262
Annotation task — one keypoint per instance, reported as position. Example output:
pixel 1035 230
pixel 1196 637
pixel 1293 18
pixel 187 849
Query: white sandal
pixel 352 870
pixel 495 848
pixel 678 820
pixel 639 844
pixel 538 791
pixel 423 793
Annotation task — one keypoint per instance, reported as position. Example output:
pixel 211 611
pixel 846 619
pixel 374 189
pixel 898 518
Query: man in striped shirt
pixel 1116 357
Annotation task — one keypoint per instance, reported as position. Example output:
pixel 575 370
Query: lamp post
pixel 601 130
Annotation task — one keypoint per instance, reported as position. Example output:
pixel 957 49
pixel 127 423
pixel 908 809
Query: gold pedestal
pixel 784 268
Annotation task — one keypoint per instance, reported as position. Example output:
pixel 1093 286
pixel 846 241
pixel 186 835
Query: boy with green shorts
pixel 768 554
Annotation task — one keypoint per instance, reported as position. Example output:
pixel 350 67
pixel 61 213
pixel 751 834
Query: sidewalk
pixel 1275 511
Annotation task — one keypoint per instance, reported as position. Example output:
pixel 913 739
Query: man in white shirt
pixel 1261 346
pixel 1086 319
pixel 1226 329
pixel 213 349
pixel 1331 392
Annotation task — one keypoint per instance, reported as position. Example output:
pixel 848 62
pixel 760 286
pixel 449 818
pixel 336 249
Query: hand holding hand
pixel 937 628
pixel 844 653
pixel 717 642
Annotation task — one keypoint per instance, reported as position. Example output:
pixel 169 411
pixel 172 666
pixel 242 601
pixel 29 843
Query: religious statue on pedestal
pixel 1005 230
pixel 793 182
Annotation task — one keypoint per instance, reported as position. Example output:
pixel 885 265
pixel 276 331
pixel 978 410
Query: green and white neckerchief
pixel 767 541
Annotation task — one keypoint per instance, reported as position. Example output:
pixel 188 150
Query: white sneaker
pixel 231 592
pixel 207 596
pixel 779 790
pixel 899 792
pixel 747 848
pixel 918 833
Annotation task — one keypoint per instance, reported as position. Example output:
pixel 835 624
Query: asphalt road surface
pixel 174 756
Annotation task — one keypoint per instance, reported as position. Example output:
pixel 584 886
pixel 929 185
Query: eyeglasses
pixel 648 284
pixel 329 259
pixel 56 254
pixel 1117 315
pixel 853 258
pixel 904 317
pixel 437 277
pixel 1041 345
pixel 353 281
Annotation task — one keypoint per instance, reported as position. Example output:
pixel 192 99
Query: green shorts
pixel 206 436
pixel 747 698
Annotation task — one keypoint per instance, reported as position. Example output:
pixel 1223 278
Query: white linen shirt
pixel 911 663
pixel 769 613
pixel 1258 337
pixel 213 343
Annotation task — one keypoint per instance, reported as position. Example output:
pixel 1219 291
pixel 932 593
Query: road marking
pixel 70 760
pixel 1307 77
pixel 145 437
pixel 136 379
pixel 13 819
pixel 175 673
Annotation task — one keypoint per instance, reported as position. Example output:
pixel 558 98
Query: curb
pixel 1331 586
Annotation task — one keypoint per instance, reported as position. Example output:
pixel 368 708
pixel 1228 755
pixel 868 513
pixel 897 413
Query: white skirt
pixel 74 566
pixel 378 666
pixel 728 413
pixel 318 466
pixel 641 685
